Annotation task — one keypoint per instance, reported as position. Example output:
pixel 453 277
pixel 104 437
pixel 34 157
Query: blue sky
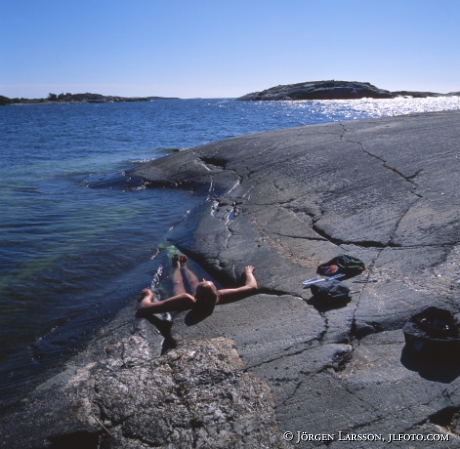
pixel 224 48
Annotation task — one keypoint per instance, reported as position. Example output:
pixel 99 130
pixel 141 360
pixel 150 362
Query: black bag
pixel 433 334
pixel 333 290
pixel 343 264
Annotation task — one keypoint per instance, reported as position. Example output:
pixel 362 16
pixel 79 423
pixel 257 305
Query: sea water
pixel 79 237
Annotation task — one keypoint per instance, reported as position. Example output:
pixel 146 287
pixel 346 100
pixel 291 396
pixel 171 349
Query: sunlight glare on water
pixel 335 110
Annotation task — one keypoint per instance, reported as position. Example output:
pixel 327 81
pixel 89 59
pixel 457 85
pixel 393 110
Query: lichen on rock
pixel 198 395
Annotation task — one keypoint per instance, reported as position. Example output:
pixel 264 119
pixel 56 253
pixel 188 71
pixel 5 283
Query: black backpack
pixel 331 290
pixel 433 334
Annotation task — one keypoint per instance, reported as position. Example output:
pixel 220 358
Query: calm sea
pixel 79 238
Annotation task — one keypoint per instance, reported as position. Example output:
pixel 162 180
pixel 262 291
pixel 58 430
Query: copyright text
pixel 297 437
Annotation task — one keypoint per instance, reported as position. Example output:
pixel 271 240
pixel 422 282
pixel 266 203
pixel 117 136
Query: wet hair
pixel 206 295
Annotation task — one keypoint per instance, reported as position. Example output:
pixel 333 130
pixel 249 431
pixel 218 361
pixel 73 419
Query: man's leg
pixel 189 275
pixel 178 282
pixel 179 301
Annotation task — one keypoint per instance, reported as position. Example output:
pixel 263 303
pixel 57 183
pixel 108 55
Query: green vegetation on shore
pixel 76 98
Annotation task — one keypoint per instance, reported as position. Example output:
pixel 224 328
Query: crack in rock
pixel 409 179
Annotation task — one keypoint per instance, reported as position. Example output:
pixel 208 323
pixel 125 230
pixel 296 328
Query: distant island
pixel 77 98
pixel 332 90
pixel 311 90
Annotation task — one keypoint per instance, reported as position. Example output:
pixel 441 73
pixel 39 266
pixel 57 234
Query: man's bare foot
pixel 147 294
pixel 183 261
pixel 175 260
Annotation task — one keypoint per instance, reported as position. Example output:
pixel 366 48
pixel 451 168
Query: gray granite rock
pixel 385 191
pixel 197 395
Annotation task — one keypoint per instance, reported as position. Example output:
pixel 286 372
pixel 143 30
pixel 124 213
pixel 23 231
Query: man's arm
pixel 235 294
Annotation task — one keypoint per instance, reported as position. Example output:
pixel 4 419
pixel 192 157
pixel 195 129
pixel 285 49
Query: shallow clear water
pixel 78 236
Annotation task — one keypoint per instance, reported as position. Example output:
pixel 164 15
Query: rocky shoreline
pixel 383 190
pixel 332 90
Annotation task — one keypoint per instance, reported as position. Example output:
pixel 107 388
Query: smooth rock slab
pixel 285 201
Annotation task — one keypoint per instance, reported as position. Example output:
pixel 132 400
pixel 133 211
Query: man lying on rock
pixel 205 294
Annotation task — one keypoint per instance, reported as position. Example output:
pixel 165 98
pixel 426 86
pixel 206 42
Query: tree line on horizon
pixel 64 97
pixel 76 98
